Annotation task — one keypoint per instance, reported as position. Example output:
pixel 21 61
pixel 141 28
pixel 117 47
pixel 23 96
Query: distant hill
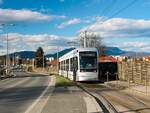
pixel 61 53
pixel 117 51
pixel 114 51
pixel 24 54
pixel 135 54
pixel 109 51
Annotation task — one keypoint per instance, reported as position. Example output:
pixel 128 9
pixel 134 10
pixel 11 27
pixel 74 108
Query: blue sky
pixel 52 23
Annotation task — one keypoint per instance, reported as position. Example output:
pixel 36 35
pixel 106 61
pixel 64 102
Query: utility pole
pixel 7 56
pixel 7 44
pixel 85 39
pixel 43 62
pixel 57 60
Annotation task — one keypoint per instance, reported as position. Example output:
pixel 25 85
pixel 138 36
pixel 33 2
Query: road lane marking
pixel 13 85
pixel 38 105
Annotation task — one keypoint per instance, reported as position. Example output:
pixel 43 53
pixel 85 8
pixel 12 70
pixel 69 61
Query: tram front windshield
pixel 88 61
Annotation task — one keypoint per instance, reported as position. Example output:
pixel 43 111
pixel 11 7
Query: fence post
pixel 146 77
pixel 117 80
pixel 107 76
pixel 128 78
pixel 141 72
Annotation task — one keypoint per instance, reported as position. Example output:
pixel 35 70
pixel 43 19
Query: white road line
pixel 40 102
pixel 13 85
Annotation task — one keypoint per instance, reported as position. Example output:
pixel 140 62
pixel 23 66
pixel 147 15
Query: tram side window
pixel 67 65
pixel 61 65
pixel 74 63
pixel 71 64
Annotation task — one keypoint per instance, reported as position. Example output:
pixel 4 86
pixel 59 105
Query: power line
pixel 108 9
pixel 119 11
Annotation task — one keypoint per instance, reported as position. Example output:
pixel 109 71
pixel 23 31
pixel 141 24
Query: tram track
pixel 106 106
pixel 123 102
pixel 117 101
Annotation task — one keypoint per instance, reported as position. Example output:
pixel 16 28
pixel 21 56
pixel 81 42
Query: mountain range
pixel 115 51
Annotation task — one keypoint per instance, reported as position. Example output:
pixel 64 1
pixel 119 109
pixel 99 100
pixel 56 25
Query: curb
pixel 37 73
pixel 102 102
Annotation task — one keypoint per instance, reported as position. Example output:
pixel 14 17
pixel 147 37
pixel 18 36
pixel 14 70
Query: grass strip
pixel 62 81
pixel 92 85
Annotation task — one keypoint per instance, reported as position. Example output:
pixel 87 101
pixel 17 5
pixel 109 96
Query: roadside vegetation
pixel 91 85
pixel 63 82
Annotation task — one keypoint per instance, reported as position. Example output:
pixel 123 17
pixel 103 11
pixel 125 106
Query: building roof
pixel 107 59
pixel 54 62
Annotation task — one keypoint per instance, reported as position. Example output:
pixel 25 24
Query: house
pixel 107 59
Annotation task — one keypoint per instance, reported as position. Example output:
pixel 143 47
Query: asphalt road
pixel 19 93
pixel 35 93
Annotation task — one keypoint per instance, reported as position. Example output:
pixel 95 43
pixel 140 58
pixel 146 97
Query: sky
pixel 52 23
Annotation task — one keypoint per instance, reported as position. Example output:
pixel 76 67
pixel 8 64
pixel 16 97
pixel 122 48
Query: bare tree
pixel 90 39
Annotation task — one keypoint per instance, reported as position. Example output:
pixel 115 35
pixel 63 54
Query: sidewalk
pixel 71 100
pixel 66 100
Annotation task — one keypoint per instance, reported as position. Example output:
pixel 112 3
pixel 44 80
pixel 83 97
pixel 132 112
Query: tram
pixel 80 64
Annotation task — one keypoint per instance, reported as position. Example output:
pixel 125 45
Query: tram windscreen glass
pixel 88 61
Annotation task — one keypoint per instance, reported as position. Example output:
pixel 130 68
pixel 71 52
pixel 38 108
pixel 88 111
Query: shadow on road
pixel 29 75
pixel 91 82
pixel 21 94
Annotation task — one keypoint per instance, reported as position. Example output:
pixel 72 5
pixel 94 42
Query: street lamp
pixel 7 43
pixel 58 60
pixel 43 62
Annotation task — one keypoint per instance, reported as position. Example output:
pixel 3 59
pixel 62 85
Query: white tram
pixel 80 64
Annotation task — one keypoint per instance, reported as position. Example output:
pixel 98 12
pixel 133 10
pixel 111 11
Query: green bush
pixel 30 69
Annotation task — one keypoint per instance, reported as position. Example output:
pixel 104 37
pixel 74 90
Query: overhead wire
pixel 120 10
pixel 107 9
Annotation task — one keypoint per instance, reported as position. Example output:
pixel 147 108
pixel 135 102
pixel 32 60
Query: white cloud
pixel 138 46
pixel 121 27
pixel 30 38
pixel 41 38
pixel 12 15
pixel 49 42
pixel 147 48
pixel 11 37
pixel 69 22
pixel 134 44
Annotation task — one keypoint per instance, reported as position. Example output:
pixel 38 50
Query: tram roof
pixel 74 53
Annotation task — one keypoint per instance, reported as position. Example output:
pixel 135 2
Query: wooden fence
pixel 135 71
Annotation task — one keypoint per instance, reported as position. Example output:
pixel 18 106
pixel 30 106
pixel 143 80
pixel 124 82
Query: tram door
pixel 75 68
